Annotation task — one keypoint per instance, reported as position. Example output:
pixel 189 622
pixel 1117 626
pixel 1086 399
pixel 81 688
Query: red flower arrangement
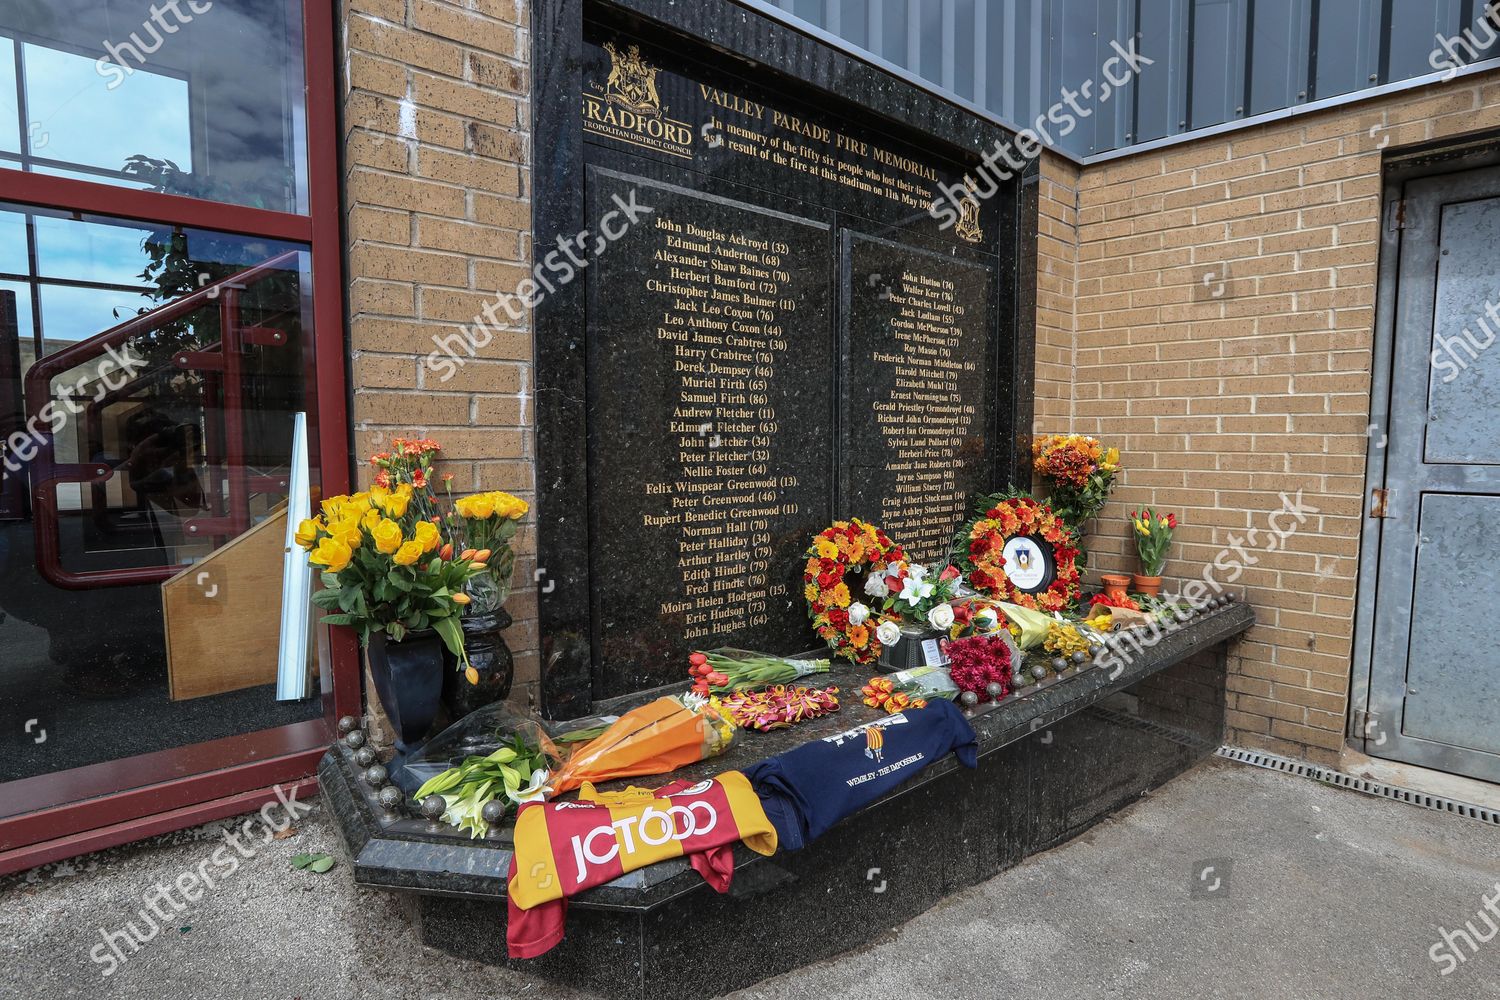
pixel 1114 602
pixel 985 563
pixel 977 661
pixel 841 620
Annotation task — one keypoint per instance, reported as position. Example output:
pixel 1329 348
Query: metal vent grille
pixel 1302 769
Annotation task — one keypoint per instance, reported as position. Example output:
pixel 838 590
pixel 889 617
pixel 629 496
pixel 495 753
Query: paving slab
pixel 1229 882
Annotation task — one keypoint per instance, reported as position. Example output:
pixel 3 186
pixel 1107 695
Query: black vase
pixel 408 678
pixel 491 659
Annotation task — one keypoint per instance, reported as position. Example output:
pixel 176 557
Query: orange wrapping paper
pixel 652 739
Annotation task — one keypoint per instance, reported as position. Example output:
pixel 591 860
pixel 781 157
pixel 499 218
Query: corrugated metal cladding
pixel 1215 61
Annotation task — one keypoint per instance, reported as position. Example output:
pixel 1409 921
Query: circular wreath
pixel 982 552
pixel 843 548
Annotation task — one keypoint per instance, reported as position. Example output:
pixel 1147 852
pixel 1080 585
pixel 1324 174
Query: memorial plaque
pixel 785 337
pixel 710 386
pixel 916 404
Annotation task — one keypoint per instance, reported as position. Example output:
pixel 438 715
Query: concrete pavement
pixel 1230 882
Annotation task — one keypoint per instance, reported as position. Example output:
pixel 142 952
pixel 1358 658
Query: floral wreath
pixel 981 551
pixel 836 551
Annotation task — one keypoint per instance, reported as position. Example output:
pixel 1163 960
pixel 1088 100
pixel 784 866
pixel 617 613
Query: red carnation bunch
pixel 977 661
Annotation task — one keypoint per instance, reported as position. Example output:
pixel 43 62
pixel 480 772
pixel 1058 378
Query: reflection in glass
pixel 89 251
pixel 189 410
pixel 81 121
pixel 212 110
pixel 10 117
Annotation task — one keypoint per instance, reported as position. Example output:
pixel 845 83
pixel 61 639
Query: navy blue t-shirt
pixel 807 790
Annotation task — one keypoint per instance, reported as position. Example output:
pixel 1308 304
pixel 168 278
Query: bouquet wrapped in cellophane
pixel 656 738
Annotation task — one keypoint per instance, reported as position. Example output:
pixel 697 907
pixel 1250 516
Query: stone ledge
pixel 406 853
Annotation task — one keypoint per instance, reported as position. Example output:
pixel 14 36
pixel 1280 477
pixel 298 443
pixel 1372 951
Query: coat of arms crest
pixel 967 226
pixel 632 81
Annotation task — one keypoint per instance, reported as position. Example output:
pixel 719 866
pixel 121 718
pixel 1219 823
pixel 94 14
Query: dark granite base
pixel 1051 765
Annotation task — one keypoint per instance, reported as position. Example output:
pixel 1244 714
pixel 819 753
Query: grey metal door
pixel 1434 687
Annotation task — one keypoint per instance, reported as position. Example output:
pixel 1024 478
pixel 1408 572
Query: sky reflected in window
pixel 89 251
pixel 71 314
pixel 10 120
pixel 78 119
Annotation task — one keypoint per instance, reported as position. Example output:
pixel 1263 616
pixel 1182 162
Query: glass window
pixel 81 121
pixel 209 104
pixel 10 118
pixel 175 555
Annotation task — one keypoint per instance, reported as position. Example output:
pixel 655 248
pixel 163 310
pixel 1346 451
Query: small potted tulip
pixel 1153 533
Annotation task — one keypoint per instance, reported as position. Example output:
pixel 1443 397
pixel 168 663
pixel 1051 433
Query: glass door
pixel 169 321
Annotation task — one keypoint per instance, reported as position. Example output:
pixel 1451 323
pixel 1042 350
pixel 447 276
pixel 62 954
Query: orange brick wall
pixel 1223 325
pixel 436 201
pixel 1056 293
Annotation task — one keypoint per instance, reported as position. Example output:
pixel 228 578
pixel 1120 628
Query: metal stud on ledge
pixel 390 798
pixel 492 811
pixel 354 740
pixel 347 725
pixel 375 776
pixel 434 806
pixel 365 756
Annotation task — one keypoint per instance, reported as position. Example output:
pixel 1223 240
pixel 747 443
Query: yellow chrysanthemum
pixel 810 592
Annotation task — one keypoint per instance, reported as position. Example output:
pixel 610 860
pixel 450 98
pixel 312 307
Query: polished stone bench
pixel 1052 762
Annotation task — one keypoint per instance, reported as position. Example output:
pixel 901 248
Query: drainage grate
pixel 1302 769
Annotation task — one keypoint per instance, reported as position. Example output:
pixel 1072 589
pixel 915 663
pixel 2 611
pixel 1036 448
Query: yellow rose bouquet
pixel 387 569
pixel 484 524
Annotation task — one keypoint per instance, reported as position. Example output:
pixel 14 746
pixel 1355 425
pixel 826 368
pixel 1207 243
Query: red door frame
pixel 59 815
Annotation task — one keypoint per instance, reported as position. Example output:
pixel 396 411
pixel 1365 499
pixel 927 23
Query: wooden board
pixel 223 615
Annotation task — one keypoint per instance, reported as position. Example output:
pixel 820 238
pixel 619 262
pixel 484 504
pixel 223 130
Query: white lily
pixel 914 591
pixel 535 791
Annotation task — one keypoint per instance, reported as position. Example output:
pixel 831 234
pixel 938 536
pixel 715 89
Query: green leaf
pixel 340 619
pixel 440 783
pixel 301 861
pixel 453 637
pixel 321 864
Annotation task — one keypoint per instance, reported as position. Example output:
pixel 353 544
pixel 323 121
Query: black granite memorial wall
pixel 754 327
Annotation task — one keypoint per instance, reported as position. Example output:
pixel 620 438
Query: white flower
pixel 914 591
pixel 985 620
pixel 941 617
pixel 858 613
pixel 875 585
pixel 889 633
pixel 536 791
pixel 918 572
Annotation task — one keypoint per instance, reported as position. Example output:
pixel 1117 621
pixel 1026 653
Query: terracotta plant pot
pixel 1115 585
pixel 1148 585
